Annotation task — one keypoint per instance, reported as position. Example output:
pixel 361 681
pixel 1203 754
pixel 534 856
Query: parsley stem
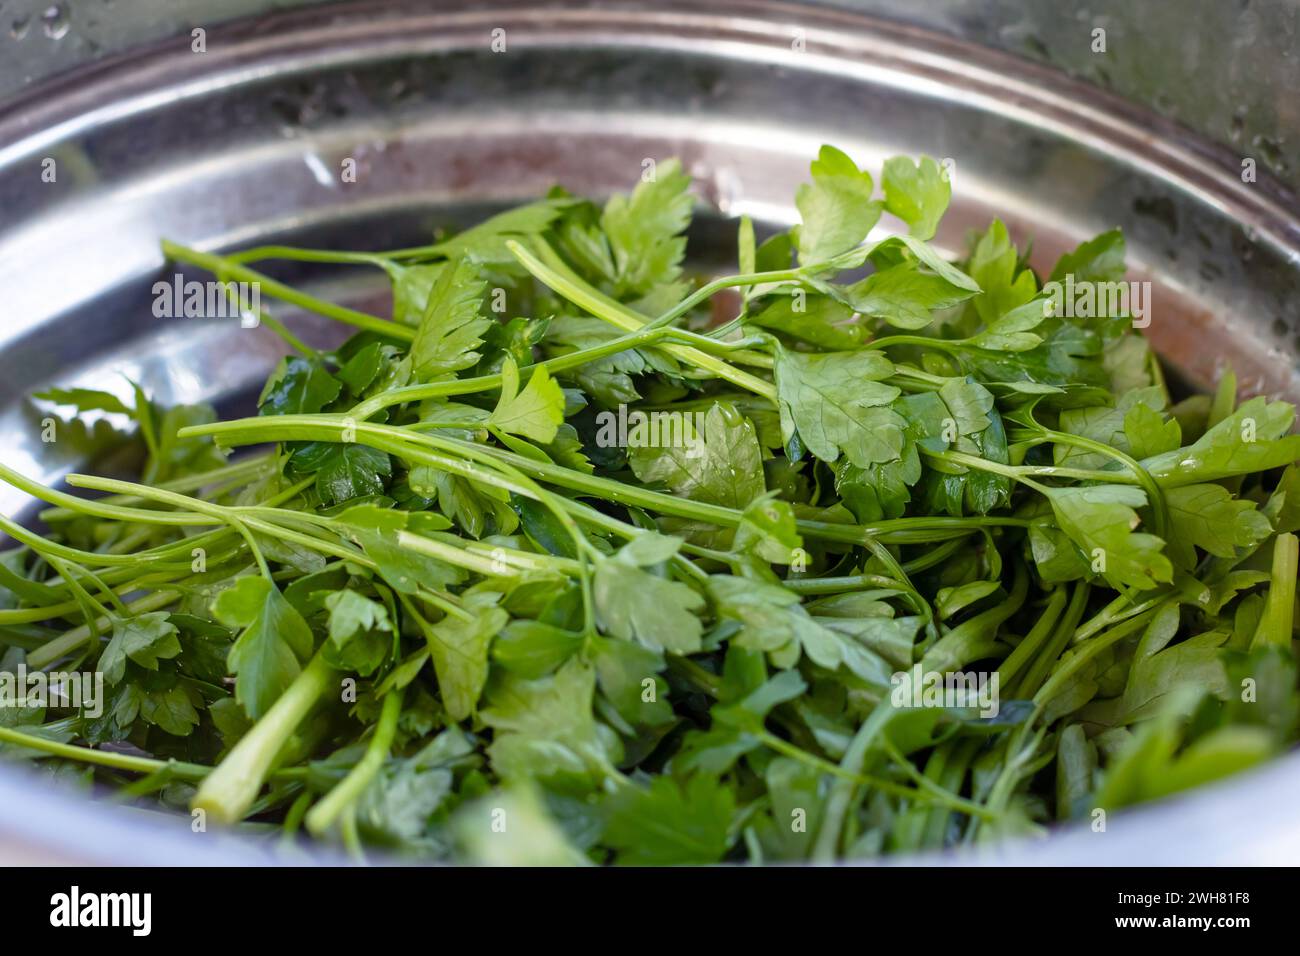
pixel 1120 609
pixel 1277 621
pixel 179 769
pixel 553 273
pixel 943 345
pixel 849 582
pixel 219 512
pixel 842 792
pixel 937 792
pixel 97 509
pixel 486 383
pixel 397 440
pixel 224 268
pixel 297 254
pixel 1023 473
pixel 1043 661
pixel 1084 653
pixel 249 468
pixel 1159 508
pixel 229 791
pixel 344 795
pixel 102 758
pixel 1042 629
pixel 931 793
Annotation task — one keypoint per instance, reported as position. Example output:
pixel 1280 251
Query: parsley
pixel 456 586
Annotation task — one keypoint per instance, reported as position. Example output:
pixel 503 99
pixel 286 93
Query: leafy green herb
pixel 897 557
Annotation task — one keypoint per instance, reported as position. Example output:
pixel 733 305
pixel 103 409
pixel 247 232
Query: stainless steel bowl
pixel 244 143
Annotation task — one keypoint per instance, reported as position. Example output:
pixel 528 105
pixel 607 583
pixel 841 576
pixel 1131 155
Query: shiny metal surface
pixel 244 143
pixel 1228 69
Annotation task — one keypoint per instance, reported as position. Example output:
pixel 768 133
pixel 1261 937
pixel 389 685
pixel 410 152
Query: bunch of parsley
pixel 435 615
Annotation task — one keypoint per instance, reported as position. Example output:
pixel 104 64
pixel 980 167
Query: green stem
pixel 557 276
pixel 179 769
pixel 1159 508
pixel 1084 653
pixel 1044 660
pixel 225 269
pixel 1277 621
pixel 1025 473
pixel 229 791
pixel 838 585
pixel 238 471
pixel 1039 633
pixel 323 815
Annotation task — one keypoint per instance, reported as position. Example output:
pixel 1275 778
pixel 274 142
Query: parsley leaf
pixel 836 208
pixel 451 327
pixel 273 642
pixel 835 401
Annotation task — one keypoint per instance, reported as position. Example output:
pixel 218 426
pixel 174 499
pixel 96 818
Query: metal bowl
pixel 245 142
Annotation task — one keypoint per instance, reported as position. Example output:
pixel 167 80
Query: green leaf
pixel 1109 424
pixel 1100 519
pixel 636 605
pixel 376 531
pixel 1099 259
pixel 1283 508
pixel 736 727
pixel 364 367
pixel 774 621
pixel 533 837
pixel 1011 332
pixel 834 400
pixel 995 265
pixel 609 379
pixel 903 295
pixel 644 230
pixel 298 387
pixel 670 823
pixel 486 241
pixel 916 193
pixel 545 728
pixel 643 714
pixel 451 327
pixel 1208 517
pixel 537 412
pixel 401 801
pixel 533 649
pixel 85 400
pixel 1148 433
pixel 411 288
pixel 344 470
pixel 350 612
pixel 171 709
pixel 768 529
pixel 711 457
pixel 822 320
pixel 143 638
pixel 459 649
pixel 273 642
pixel 836 208
pixel 1250 439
